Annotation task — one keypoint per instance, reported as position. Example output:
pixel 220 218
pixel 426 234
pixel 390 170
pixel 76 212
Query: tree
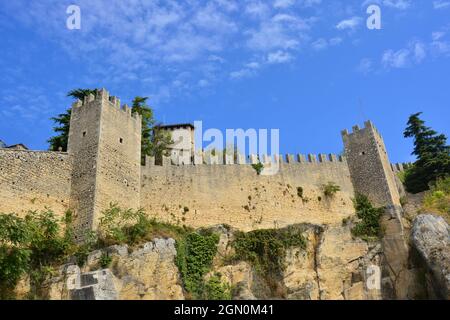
pixel 60 141
pixel 154 141
pixel 432 152
pixel 81 93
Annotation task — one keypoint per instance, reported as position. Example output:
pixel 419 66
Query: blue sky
pixel 307 67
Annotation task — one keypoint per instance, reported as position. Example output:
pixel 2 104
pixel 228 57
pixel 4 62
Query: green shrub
pixel 105 260
pixel 216 290
pixel 31 245
pixel 369 227
pixel 259 167
pixel 403 201
pixel 438 198
pixel 330 189
pixel 118 226
pixel 195 253
pixel 266 249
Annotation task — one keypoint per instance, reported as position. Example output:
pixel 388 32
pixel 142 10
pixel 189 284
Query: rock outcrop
pixel 148 273
pixel 430 237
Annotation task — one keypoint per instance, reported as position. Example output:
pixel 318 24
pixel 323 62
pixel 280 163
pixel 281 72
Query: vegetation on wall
pixel 432 152
pixel 217 290
pixel 330 189
pixel 259 167
pixel 266 249
pixel 369 227
pixel 119 226
pixel 195 254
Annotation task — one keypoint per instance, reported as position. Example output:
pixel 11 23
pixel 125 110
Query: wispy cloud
pixel 441 4
pixel 349 24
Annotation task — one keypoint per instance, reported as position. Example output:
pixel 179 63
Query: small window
pixel 84 134
pixel 363 153
pixel 121 140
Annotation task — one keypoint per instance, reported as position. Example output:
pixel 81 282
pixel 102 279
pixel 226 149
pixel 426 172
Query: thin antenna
pixel 361 110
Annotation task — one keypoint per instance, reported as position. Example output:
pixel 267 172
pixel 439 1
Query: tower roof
pixel 176 126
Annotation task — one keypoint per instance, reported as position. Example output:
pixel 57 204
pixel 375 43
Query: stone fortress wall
pixel 102 166
pixel 33 180
pixel 208 194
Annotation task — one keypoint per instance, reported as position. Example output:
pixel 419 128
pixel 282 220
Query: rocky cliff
pixel 332 265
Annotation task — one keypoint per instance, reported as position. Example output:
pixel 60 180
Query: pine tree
pixel 60 141
pixel 432 152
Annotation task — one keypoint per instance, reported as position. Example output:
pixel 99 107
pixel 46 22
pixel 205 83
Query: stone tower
pixel 105 143
pixel 372 175
pixel 369 165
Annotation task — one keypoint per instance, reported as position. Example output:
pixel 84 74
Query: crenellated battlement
pixel 356 129
pixel 103 98
pixel 202 158
pixel 400 167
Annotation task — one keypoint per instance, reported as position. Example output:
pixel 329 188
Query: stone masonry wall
pixel 205 195
pixel 33 180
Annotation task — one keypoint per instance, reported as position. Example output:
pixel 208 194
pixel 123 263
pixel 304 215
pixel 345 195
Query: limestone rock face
pixel 332 266
pixel 430 236
pixel 149 273
pixel 300 276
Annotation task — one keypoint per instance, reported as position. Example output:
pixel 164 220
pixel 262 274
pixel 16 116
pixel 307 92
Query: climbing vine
pixel 195 253
pixel 266 249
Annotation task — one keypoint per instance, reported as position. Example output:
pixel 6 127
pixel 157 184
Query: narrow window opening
pixel 84 134
pixel 121 140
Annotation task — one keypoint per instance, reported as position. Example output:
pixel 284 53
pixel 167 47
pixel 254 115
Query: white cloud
pixel 279 57
pixel 396 59
pixel 440 4
pixel 437 35
pixel 321 43
pixel 395 4
pixel 419 51
pixel 365 66
pixel 415 53
pixel 283 3
pixel 351 23
pixel 398 4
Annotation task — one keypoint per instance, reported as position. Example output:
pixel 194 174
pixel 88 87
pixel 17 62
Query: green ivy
pixel 216 290
pixel 266 249
pixel 195 253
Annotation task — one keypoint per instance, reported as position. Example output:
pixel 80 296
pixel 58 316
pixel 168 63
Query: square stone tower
pixel 369 165
pixel 105 143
